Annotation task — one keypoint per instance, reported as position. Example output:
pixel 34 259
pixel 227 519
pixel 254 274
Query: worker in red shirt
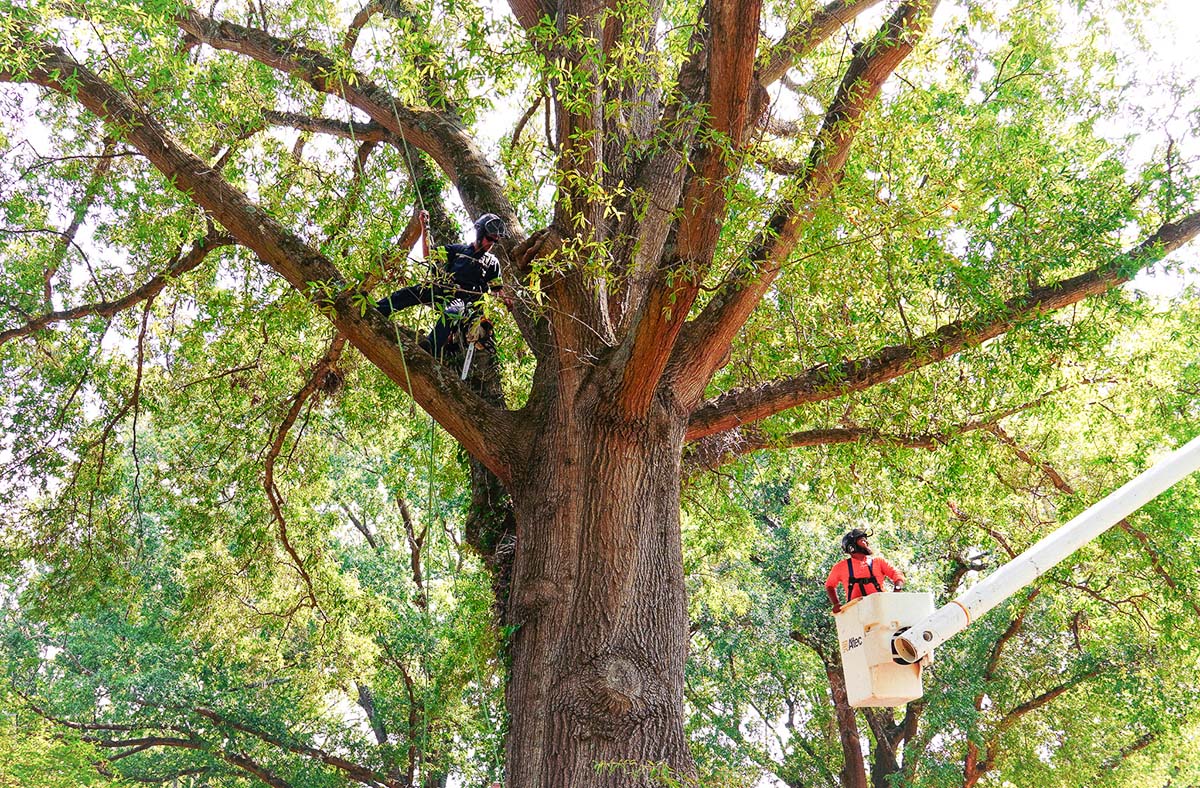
pixel 861 574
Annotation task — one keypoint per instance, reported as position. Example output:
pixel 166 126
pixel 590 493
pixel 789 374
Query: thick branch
pixel 253 767
pixel 530 12
pixel 356 25
pixel 975 767
pixel 798 41
pixel 440 134
pixel 710 334
pixel 143 742
pixel 715 450
pixel 476 424
pixel 731 102
pixel 821 383
pixel 361 132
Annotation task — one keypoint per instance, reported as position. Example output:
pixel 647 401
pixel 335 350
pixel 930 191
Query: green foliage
pixel 1107 618
pixel 155 588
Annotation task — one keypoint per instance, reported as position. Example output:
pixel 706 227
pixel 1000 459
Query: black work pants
pixel 413 295
pixel 453 314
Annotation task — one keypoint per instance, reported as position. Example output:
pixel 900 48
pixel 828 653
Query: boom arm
pixel 947 621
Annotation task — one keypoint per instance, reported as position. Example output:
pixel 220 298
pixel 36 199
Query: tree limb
pixel 1040 700
pixel 798 41
pixel 688 253
pixel 1135 746
pixel 440 134
pixel 708 337
pixel 357 23
pixel 530 12
pixel 351 130
pixel 1142 538
pixel 315 381
pixel 826 382
pixel 476 424
pixel 714 450
pixel 179 266
pixel 90 192
pixel 352 770
pixel 1014 626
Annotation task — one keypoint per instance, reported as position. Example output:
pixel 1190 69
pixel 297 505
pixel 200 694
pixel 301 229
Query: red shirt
pixel 879 569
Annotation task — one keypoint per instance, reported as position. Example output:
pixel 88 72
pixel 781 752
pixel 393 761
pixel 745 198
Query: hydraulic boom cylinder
pixel 947 621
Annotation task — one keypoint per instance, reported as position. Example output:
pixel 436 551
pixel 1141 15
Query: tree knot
pixel 611 695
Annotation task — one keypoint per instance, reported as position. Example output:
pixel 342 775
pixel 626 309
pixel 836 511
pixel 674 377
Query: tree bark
pixel 854 771
pixel 597 599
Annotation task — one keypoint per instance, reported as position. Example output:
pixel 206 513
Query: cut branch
pixel 825 382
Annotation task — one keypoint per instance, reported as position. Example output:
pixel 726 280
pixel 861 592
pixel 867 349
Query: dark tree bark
pixel 598 597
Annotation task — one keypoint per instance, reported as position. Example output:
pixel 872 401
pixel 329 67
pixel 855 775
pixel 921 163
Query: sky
pixel 1174 28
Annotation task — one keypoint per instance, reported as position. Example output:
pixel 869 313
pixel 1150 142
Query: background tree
pixel 741 228
pixel 1077 680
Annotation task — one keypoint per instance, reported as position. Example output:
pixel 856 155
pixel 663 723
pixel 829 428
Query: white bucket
pixel 865 629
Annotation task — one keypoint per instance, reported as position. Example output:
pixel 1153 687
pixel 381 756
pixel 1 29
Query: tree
pixel 703 260
pixel 1076 680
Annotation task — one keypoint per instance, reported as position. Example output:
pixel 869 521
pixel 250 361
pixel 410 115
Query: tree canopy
pixel 779 270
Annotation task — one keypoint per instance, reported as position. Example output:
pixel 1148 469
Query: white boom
pixel 947 621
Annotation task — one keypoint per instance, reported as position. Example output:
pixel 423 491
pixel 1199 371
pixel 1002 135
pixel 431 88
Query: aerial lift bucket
pixel 866 627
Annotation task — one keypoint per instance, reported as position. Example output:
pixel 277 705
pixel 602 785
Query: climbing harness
pixel 860 582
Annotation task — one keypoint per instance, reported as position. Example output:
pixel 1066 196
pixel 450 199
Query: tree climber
pixel 468 270
pixel 860 572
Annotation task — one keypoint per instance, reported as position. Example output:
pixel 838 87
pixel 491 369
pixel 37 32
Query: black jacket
pixel 472 271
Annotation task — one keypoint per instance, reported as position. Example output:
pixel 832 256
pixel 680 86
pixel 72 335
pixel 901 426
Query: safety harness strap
pixel 860 582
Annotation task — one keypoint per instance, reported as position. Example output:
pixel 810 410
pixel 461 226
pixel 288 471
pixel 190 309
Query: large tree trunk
pixel 854 771
pixel 884 764
pixel 597 600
